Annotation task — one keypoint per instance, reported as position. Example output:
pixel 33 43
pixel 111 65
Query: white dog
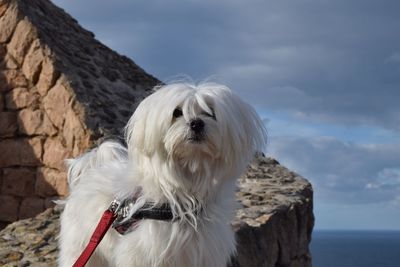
pixel 187 145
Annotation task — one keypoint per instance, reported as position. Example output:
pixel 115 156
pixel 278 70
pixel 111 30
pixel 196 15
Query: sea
pixel 333 248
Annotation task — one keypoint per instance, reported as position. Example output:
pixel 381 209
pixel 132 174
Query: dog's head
pixel 195 127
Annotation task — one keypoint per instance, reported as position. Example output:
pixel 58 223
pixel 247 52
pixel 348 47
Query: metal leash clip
pixel 115 206
pixel 123 224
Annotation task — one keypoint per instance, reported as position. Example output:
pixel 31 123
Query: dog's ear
pixel 243 130
pixel 144 131
pixel 135 130
pixel 253 132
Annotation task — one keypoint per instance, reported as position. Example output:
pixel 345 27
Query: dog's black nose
pixel 197 125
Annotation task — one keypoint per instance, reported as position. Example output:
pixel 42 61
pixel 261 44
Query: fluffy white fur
pixel 163 162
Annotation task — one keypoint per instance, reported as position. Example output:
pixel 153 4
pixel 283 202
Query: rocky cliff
pixel 61 91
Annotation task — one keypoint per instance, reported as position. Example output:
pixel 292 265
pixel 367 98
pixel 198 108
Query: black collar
pixel 125 223
pixel 149 211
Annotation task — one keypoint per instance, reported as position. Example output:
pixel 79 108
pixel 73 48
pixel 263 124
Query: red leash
pixel 104 224
pixel 123 223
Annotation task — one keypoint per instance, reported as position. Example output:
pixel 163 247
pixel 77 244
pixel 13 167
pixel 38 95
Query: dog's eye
pixel 209 115
pixel 212 115
pixel 177 113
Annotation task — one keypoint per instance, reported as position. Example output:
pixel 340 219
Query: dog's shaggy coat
pixel 187 145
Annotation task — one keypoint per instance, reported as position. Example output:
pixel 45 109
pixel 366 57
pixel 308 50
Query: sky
pixel 323 75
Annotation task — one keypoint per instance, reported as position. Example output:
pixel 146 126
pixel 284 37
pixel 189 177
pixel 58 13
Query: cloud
pixel 343 172
pixel 335 53
pixel 395 57
pixel 388 177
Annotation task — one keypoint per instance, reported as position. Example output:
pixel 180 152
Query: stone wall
pixel 34 139
pixel 56 86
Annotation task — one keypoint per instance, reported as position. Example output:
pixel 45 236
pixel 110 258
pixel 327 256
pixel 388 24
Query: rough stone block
pixel 8 208
pixel 3 51
pixel 55 154
pixel 81 145
pixel 33 62
pixel 3 7
pixel 9 63
pixel 20 98
pixel 35 122
pixel 8 123
pixel 8 22
pixel 30 206
pixel 18 181
pixel 4 85
pixel 1 102
pixel 73 129
pixel 50 182
pixel 21 152
pixel 22 38
pixel 47 77
pixel 10 79
pixel 56 103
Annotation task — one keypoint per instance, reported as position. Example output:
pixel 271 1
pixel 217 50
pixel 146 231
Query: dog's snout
pixel 197 125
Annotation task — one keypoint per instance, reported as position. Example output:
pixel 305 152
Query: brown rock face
pixel 47 77
pixel 55 153
pixel 21 40
pixel 18 181
pixel 8 208
pixel 1 102
pixel 8 125
pixel 30 207
pixel 33 62
pixel 51 182
pixel 56 86
pixel 11 78
pixel 19 98
pixel 21 152
pixel 35 122
pixel 274 225
pixel 56 103
pixel 9 17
